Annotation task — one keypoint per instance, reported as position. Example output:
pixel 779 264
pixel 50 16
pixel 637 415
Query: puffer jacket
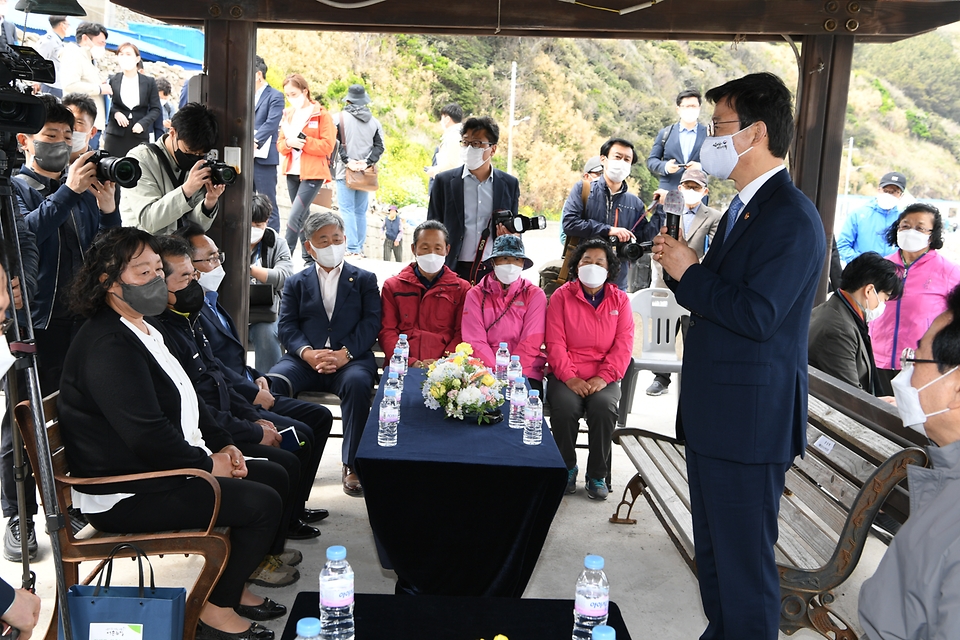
pixel 925 287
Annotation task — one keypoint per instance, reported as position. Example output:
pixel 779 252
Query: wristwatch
pixel 349 355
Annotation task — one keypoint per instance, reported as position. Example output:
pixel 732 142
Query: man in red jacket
pixel 425 300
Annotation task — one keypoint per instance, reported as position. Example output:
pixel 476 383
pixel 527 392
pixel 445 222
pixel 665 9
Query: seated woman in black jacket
pixel 127 406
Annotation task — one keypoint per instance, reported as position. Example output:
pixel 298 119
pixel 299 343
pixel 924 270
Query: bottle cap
pixel 503 345
pixel 533 393
pixel 603 632
pixel 398 352
pixel 338 552
pixel 590 562
pixel 403 336
pixel 520 380
pixel 393 374
pixel 515 358
pixel 308 627
pixel 390 393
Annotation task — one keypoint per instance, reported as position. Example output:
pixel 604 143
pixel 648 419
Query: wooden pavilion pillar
pixel 821 113
pixel 230 49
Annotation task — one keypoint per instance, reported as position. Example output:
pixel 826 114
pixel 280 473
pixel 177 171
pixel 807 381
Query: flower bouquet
pixel 463 386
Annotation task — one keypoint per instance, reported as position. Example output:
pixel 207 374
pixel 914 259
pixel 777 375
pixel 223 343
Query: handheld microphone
pixel 673 206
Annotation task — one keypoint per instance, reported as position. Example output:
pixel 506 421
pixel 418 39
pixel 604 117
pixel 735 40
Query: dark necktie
pixel 732 214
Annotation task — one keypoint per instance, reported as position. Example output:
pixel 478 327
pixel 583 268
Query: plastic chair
pixel 661 316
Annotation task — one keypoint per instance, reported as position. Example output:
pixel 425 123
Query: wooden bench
pixel 212 543
pixel 856 457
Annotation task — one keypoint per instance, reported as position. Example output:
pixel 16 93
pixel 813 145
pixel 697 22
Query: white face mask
pixel 690 197
pixel 507 273
pixel 78 143
pixel 210 280
pixel 127 63
pixel 719 157
pixel 472 158
pixel 869 315
pixel 911 240
pixel 97 53
pixel 592 275
pixel 887 201
pixel 908 398
pixel 430 262
pixel 689 114
pixel 330 255
pixel 617 170
pixel 298 102
pixel 256 234
pixel 6 358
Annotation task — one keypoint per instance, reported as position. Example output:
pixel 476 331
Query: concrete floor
pixel 654 588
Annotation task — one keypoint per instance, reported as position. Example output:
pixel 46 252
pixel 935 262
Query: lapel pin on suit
pixel 351 279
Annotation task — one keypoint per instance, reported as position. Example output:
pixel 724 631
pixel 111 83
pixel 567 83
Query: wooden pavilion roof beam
pixel 868 20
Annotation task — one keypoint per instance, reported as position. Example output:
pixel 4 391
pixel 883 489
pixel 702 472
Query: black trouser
pixel 291 468
pixel 664 378
pixel 250 507
pixel 313 423
pixel 600 409
pixel 396 249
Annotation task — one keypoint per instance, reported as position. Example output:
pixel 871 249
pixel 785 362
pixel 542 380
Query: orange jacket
pixel 321 137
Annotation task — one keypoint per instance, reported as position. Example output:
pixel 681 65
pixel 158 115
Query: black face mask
pixel 189 299
pixel 149 299
pixel 184 160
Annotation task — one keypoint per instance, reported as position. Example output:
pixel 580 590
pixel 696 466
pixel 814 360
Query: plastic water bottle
pixel 398 363
pixel 603 632
pixel 336 596
pixel 503 361
pixel 533 419
pixel 389 419
pixel 593 598
pixel 394 382
pixel 514 370
pixel 308 628
pixel 404 345
pixel 518 401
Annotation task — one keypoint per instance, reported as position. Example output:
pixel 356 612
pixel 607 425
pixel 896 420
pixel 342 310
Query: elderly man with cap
pixel 866 228
pixel 915 592
pixel 361 145
pixel 698 224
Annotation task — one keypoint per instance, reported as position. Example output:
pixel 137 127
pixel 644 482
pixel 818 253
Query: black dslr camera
pixel 20 110
pixel 516 223
pixel 221 172
pixel 124 171
pixel 629 251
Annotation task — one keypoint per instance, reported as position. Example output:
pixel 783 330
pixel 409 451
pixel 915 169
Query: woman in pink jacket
pixel 927 279
pixel 589 344
pixel 504 307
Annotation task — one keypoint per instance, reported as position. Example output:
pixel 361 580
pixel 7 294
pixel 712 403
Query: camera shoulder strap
pixel 478 260
pixel 663 142
pixel 573 241
pixel 162 159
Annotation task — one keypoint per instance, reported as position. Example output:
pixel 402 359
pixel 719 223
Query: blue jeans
pixel 353 208
pixel 302 193
pixel 266 344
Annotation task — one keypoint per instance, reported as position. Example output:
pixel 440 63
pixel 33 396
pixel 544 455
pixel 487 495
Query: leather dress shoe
pixel 267 610
pixel 253 632
pixel 299 530
pixel 351 483
pixel 313 515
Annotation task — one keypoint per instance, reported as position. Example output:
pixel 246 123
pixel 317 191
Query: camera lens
pixel 11 110
pixel 631 251
pixel 123 171
pixel 227 174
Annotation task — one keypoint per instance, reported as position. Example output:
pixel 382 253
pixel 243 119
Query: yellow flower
pixel 465 348
pixel 459 360
pixel 437 392
pixel 488 380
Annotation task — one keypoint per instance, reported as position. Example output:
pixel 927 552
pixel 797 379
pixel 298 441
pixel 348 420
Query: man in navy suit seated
pixel 677 146
pixel 743 406
pixel 329 320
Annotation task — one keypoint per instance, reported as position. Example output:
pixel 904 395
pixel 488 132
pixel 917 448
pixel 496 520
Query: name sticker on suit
pixel 825 444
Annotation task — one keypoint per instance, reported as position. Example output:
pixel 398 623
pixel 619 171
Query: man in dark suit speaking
pixel 465 198
pixel 267 111
pixel 743 405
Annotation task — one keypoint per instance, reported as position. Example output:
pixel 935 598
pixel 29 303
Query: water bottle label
pixel 529 413
pixel 389 415
pixel 591 607
pixel 517 400
pixel 336 593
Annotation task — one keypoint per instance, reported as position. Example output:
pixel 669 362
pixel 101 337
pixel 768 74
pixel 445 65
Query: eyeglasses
pixel 475 144
pixel 909 355
pixel 712 125
pixel 907 227
pixel 213 261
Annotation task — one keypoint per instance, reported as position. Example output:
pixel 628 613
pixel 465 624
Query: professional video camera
pixel 124 171
pixel 20 111
pixel 629 251
pixel 516 223
pixel 221 172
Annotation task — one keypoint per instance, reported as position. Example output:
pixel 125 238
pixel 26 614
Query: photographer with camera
pixel 178 185
pixel 612 212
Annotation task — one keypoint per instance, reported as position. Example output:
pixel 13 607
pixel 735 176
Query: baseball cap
pixel 895 178
pixel 694 175
pixel 593 165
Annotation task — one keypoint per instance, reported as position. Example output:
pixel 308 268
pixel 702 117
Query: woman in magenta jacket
pixel 589 340
pixel 927 279
pixel 503 307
